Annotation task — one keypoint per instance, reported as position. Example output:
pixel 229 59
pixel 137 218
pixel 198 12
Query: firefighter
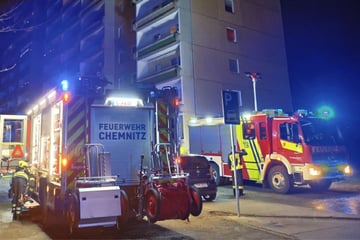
pixel 19 184
pixel 237 172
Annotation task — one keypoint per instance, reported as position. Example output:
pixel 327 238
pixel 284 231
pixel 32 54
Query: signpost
pixel 231 104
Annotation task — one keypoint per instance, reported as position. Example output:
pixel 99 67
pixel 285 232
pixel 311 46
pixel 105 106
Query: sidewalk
pixel 300 222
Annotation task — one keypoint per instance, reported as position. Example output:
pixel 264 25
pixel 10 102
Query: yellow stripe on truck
pixel 253 159
pixel 291 146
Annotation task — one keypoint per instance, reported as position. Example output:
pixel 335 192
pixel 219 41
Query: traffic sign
pixel 231 104
pixel 17 152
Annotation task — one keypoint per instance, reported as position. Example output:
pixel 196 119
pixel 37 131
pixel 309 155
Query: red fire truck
pixel 282 151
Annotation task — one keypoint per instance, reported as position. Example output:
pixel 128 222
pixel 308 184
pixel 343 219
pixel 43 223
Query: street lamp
pixel 254 78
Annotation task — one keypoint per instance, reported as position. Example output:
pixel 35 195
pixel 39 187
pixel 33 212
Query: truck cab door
pixel 287 141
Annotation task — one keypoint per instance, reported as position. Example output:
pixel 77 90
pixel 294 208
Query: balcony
pixel 159 11
pixel 165 75
pixel 157 45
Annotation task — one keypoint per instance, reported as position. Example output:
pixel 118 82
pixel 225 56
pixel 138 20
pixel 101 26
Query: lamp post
pixel 254 78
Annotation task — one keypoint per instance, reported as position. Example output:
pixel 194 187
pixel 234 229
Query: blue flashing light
pixel 65 85
pixel 326 112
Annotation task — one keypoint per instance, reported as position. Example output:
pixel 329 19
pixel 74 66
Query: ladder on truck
pixel 96 198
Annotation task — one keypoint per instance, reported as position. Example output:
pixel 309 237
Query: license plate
pixel 201 185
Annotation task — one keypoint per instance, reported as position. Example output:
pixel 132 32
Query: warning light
pixel 66 97
pixel 326 112
pixel 178 160
pixel 65 85
pixel 176 102
pixel 64 162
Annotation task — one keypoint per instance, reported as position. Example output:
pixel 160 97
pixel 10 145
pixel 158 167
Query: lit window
pixel 234 65
pixel 231 34
pixel 229 6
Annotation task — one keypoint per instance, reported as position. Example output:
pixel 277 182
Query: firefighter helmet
pixel 23 164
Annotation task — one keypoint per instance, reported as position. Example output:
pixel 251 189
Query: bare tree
pixel 11 21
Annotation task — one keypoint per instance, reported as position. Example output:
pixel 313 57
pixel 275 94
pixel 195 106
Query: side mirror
pixel 243 152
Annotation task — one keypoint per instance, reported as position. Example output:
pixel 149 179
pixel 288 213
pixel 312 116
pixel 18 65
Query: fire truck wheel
pixel 152 205
pixel 320 186
pixel 196 202
pixel 209 197
pixel 45 216
pixel 72 217
pixel 124 203
pixel 279 180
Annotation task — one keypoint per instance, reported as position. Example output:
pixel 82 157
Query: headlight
pixel 314 171
pixel 347 170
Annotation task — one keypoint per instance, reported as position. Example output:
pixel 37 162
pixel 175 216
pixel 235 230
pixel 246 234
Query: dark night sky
pixel 323 47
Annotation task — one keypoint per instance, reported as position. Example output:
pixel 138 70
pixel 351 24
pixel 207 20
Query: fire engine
pixel 282 151
pixel 95 159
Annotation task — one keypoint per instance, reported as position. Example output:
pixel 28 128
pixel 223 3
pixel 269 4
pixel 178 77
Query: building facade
pixel 201 47
pixel 205 46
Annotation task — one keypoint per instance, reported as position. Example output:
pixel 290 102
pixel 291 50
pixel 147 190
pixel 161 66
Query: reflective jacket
pixel 21 172
pixel 238 164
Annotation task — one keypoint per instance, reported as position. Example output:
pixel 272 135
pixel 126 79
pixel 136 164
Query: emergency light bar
pixel 123 102
pixel 274 112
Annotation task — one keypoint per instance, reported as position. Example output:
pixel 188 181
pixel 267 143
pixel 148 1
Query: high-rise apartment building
pixel 205 46
pixel 201 47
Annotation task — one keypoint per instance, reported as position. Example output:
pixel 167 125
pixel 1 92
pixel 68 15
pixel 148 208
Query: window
pixel 231 34
pixel 248 131
pixel 229 6
pixel 158 67
pixel 289 132
pixel 234 65
pixel 175 61
pixel 262 128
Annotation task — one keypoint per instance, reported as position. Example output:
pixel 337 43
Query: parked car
pixel 200 175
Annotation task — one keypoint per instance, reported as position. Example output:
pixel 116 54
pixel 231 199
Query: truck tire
pixel 216 174
pixel 279 180
pixel 124 203
pixel 152 205
pixel 72 216
pixel 45 218
pixel 320 186
pixel 196 202
pixel 210 197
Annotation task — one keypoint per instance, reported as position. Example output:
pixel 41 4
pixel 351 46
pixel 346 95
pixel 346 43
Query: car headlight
pixel 315 171
pixel 347 170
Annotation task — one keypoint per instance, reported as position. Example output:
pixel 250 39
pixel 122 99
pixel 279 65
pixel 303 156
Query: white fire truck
pixel 282 151
pixel 93 160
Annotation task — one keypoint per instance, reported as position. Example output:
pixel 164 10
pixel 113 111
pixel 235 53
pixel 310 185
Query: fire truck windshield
pixel 320 132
